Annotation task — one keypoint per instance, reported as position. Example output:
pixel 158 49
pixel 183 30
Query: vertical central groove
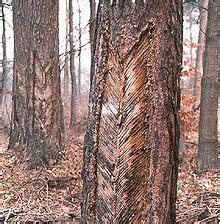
pixel 132 130
pixel 120 117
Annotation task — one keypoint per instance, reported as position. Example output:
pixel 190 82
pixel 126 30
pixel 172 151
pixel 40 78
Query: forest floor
pixel 55 194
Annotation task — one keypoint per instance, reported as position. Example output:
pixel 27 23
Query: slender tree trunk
pixel 80 50
pixel 92 23
pixel 36 84
pixel 72 67
pixel 62 120
pixel 208 140
pixel 131 143
pixel 191 59
pixel 66 65
pixel 4 60
pixel 65 108
pixel 190 36
pixel 200 49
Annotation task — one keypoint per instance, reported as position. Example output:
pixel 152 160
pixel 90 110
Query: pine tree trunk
pixel 131 144
pixel 66 65
pixel 92 23
pixel 208 138
pixel 72 67
pixel 80 51
pixel 36 81
pixel 200 49
pixel 4 59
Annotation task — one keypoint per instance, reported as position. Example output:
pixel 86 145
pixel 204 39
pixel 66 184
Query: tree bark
pixel 4 59
pixel 36 81
pixel 72 67
pixel 92 23
pixel 208 138
pixel 200 49
pixel 80 51
pixel 66 65
pixel 131 144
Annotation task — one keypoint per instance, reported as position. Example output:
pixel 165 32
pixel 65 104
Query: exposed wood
pixel 132 139
pixel 36 82
pixel 21 64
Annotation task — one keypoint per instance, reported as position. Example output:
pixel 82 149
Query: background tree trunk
pixel 191 61
pixel 36 85
pixel 66 65
pixel 4 58
pixel 92 23
pixel 18 135
pixel 131 144
pixel 72 67
pixel 80 50
pixel 208 140
pixel 200 48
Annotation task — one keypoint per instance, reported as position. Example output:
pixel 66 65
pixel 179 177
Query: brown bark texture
pixel 36 81
pixel 208 138
pixel 92 23
pixel 200 49
pixel 131 145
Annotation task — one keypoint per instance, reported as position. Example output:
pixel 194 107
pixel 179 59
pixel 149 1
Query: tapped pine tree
pixel 131 145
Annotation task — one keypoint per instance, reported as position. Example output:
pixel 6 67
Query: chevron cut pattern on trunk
pixel 131 144
pixel 123 140
pixel 36 85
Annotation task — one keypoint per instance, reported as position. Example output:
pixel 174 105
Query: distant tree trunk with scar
pixel 131 144
pixel 36 81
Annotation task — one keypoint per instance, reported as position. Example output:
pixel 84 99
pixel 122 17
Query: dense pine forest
pixel 110 111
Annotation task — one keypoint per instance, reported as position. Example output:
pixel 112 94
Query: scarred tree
pixel 36 81
pixel 131 144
